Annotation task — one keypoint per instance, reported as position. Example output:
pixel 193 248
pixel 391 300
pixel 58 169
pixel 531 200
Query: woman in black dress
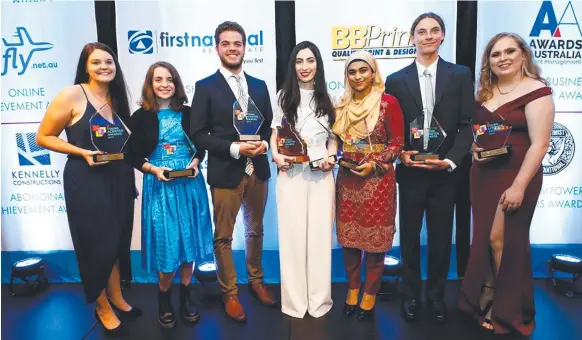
pixel 99 195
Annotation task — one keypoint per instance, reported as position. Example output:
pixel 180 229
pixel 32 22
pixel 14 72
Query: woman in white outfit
pixel 305 197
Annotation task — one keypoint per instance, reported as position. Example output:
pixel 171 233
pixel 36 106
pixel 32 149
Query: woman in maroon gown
pixel 498 285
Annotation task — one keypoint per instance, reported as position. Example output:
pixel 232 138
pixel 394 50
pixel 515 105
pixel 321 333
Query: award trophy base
pixel 494 152
pixel 419 157
pixel 249 138
pixel 179 173
pixel 107 157
pixel 346 163
pixel 314 165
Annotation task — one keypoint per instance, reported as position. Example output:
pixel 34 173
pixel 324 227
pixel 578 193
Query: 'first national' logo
pixel 141 42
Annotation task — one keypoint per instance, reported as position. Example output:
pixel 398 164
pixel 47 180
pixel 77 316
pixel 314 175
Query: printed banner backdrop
pixel 182 33
pixel 383 31
pixel 39 58
pixel 554 33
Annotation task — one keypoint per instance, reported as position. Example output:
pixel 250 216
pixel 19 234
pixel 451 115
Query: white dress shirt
pixel 231 80
pixel 432 69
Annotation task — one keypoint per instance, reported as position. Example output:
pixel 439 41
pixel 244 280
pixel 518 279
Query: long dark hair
pixel 117 87
pixel 148 97
pixel 290 95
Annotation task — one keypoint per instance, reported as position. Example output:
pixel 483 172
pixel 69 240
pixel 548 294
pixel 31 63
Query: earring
pixel 489 76
pixel 523 69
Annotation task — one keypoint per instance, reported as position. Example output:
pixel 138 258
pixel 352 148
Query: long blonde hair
pixel 488 80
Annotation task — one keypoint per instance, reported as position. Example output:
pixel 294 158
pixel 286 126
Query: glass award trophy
pixel 247 119
pixel 492 136
pixel 426 139
pixel 362 147
pixel 290 143
pixel 317 145
pixel 176 150
pixel 108 135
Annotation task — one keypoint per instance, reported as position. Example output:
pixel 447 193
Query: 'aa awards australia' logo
pixel 561 150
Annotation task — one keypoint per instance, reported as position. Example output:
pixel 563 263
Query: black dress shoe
pixel 410 309
pixel 117 332
pixel 166 315
pixel 349 310
pixel 438 309
pixel 129 315
pixel 187 309
pixel 365 315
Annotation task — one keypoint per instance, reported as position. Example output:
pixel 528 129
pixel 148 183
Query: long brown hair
pixel 488 80
pixel 117 87
pixel 149 101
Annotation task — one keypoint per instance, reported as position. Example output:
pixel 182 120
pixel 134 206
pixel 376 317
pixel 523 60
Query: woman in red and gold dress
pixel 371 127
pixel 498 285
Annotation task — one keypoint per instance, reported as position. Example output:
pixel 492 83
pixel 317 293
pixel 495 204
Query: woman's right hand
pixel 158 171
pixel 284 163
pixel 476 149
pixel 88 155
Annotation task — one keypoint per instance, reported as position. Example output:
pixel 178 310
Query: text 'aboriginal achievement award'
pixel 426 138
pixel 108 134
pixel 492 137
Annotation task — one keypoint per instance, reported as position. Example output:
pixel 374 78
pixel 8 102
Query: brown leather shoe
pixel 260 291
pixel 233 308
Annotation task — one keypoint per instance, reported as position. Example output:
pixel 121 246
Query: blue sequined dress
pixel 176 224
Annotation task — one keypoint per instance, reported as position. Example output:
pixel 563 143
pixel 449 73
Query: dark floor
pixel 61 313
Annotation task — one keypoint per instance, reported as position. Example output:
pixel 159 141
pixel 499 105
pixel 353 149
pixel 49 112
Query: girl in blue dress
pixel 176 224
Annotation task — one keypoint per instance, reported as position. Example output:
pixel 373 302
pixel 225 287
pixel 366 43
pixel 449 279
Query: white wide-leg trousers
pixel 305 208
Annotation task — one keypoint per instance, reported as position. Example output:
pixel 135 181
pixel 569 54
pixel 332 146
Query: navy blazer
pixel 146 131
pixel 212 128
pixel 454 109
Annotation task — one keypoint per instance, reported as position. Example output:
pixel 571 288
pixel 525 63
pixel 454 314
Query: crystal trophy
pixel 492 137
pixel 108 134
pixel 426 139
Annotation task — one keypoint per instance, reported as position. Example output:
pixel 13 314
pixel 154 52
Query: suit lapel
pixel 224 87
pixel 253 91
pixel 444 72
pixel 411 78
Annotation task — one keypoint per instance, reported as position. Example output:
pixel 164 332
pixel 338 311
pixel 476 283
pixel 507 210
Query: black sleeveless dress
pixel 100 202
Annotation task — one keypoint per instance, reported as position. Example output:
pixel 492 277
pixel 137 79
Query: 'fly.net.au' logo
pixel 140 42
pixel 30 153
pixel 19 50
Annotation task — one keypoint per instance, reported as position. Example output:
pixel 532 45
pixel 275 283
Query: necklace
pixel 504 93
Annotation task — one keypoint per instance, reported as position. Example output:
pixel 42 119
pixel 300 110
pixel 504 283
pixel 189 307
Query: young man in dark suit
pixel 430 87
pixel 237 170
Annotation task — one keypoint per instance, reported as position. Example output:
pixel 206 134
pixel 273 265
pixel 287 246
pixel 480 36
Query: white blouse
pixel 315 131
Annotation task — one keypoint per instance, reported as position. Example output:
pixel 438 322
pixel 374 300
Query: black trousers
pixel 463 217
pixel 438 200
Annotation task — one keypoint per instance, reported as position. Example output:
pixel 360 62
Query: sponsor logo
pixel 381 43
pixel 561 150
pixel 151 42
pixel 141 42
pixel 553 40
pixel 18 53
pixel 29 153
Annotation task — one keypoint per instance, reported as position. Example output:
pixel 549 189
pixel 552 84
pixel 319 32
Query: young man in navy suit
pixel 237 170
pixel 430 87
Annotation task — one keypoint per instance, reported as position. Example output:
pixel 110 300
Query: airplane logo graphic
pixel 19 54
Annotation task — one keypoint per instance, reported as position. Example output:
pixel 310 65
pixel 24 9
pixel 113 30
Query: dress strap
pixel 82 88
pixel 529 97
